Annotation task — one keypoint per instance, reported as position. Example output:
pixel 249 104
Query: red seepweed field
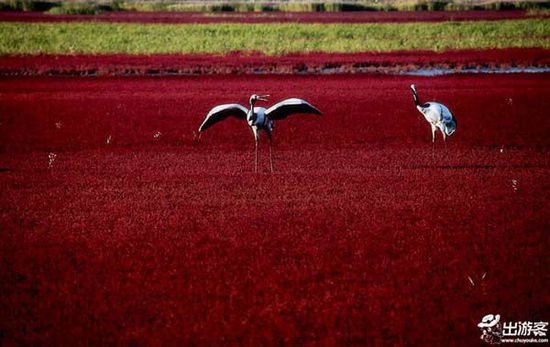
pixel 256 63
pixel 136 231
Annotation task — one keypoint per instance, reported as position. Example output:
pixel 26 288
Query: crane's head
pixel 449 127
pixel 256 97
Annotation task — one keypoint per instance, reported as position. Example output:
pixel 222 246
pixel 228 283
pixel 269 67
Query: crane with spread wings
pixel 259 118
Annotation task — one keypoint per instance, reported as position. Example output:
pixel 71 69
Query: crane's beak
pixel 263 97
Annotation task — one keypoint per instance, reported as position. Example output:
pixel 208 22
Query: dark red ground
pixel 116 65
pixel 251 17
pixel 359 237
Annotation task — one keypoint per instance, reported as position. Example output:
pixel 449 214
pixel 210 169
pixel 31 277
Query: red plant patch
pixel 238 63
pixel 137 232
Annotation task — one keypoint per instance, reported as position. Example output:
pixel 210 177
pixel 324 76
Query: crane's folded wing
pixel 446 114
pixel 221 112
pixel 289 106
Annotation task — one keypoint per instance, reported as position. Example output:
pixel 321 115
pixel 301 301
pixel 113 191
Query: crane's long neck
pixel 252 115
pixel 415 97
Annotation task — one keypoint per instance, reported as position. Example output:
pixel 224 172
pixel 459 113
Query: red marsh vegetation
pixel 120 227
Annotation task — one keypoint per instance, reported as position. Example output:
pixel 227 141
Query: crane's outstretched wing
pixel 289 106
pixel 221 112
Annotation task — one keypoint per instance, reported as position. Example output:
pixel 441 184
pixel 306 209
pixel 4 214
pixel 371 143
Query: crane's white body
pixel 437 114
pixel 257 121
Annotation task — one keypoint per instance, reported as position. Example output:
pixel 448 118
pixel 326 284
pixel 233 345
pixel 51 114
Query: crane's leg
pixel 270 150
pixel 256 157
pixel 257 142
pixel 434 130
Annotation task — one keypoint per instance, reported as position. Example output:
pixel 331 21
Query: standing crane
pixel 438 115
pixel 259 118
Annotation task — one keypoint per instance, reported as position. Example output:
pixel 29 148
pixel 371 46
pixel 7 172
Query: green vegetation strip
pixel 273 39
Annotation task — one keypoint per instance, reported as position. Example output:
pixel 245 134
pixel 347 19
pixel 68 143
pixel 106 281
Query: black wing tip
pixel 203 127
pixel 316 110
